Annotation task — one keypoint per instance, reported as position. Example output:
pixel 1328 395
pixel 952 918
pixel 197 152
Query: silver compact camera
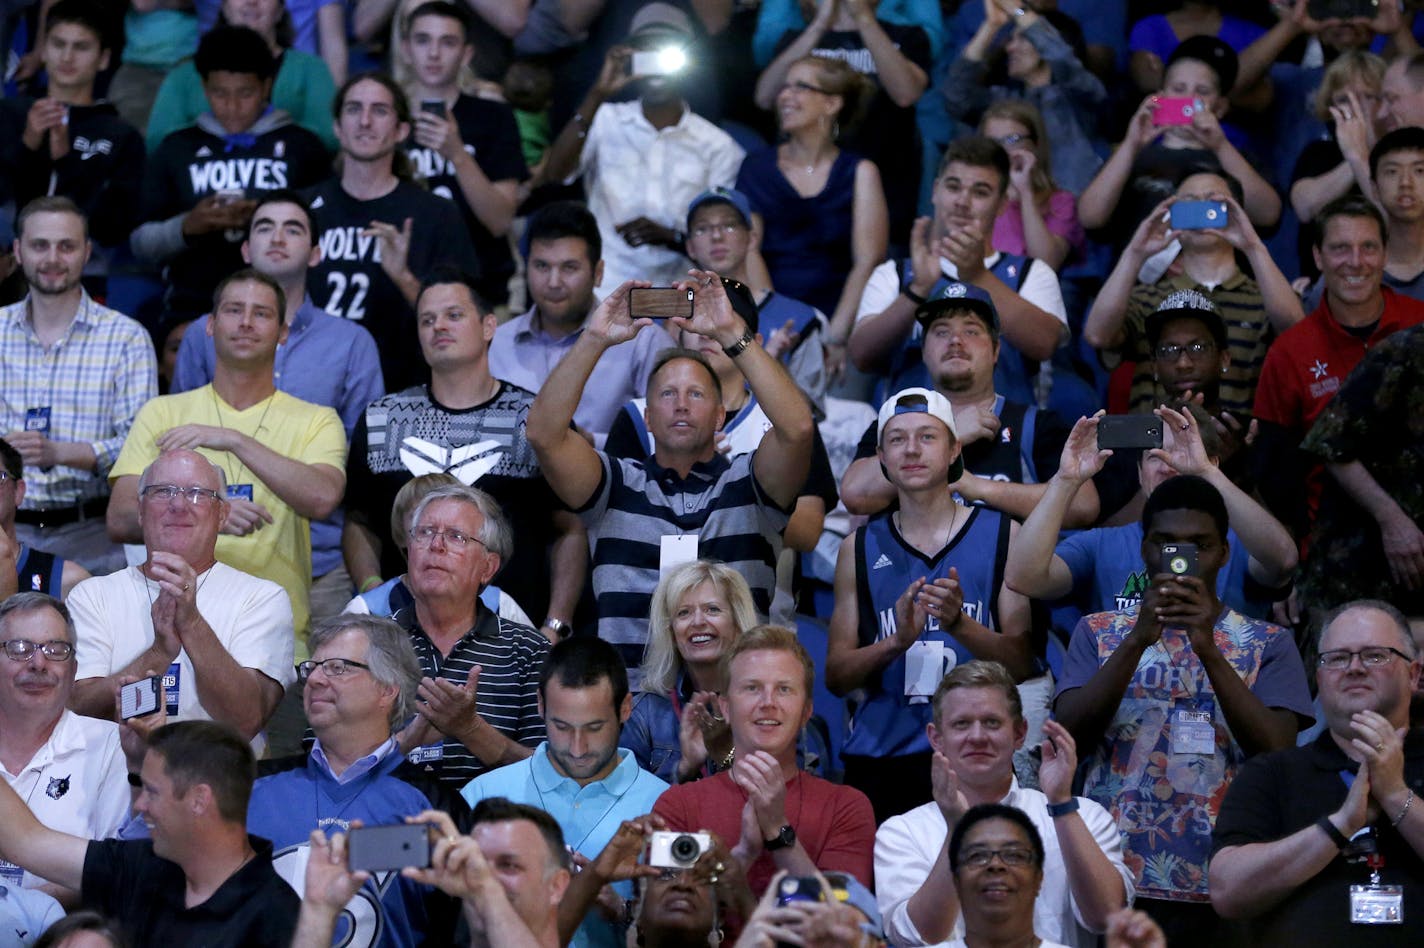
pixel 677 850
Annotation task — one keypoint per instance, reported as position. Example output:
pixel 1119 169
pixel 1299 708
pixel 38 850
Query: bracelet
pixel 1329 828
pixel 914 297
pixel 727 761
pixel 1069 805
pixel 369 583
pixel 1408 802
pixel 740 346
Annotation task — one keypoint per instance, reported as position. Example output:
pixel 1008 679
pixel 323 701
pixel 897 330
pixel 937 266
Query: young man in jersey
pixel 202 182
pixel 379 233
pixel 35 570
pixel 465 147
pixel 1010 448
pixel 67 142
pixel 955 244
pixel 915 588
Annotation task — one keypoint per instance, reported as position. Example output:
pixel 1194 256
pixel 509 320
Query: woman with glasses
pixel 996 856
pixel 820 211
pixel 1018 53
pixel 1040 219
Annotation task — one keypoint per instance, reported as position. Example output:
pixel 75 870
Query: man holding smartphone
pixel 465 147
pixel 1167 699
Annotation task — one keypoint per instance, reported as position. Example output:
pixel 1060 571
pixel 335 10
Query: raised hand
pixel 1081 458
pixel 1060 760
pixel 712 313
pixel 611 322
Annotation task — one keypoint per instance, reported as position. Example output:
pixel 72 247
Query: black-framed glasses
pixel 167 493
pixel 7 476
pixel 803 87
pixel 1013 856
pixel 330 667
pixel 424 537
pixel 20 650
pixel 1339 659
pixel 1170 351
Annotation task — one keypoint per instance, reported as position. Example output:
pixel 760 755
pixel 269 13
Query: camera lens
pixel 685 849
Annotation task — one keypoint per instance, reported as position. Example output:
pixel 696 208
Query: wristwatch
pixel 1069 805
pixel 558 626
pixel 782 840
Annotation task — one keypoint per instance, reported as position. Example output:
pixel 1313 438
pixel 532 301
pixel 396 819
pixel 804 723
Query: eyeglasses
pixel 979 858
pixel 331 667
pixel 21 649
pixel 1339 659
pixel 424 536
pixel 803 87
pixel 1010 140
pixel 1170 352
pixel 7 476
pixel 167 493
pixel 720 230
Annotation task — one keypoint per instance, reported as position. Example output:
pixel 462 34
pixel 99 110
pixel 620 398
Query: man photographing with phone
pixel 1167 698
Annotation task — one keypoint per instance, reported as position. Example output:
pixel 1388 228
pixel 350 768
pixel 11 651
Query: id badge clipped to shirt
pixel 1376 904
pixel 239 492
pixel 428 753
pixel 11 874
pixel 37 419
pixel 1193 730
pixel 172 681
pixel 924 668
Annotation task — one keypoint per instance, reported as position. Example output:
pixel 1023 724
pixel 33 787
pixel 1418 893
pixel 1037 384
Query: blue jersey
pixel 297 795
pixel 887 723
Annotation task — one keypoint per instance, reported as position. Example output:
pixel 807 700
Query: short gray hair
pixel 495 534
pixel 217 469
pixel 23 602
pixel 389 653
pixel 1400 622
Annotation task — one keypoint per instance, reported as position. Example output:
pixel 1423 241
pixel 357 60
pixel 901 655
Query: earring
pixel 835 130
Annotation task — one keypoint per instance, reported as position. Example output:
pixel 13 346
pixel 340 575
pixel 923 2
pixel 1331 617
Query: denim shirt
pixel 652 735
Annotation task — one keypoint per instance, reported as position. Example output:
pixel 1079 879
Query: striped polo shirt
pixel 510 656
pixel 1248 333
pixel 639 502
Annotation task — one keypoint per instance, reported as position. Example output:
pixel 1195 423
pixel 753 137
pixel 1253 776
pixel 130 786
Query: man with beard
pixel 73 376
pixel 580 775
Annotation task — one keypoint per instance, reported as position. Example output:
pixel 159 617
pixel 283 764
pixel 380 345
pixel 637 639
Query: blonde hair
pixel 838 78
pixel 770 638
pixel 978 674
pixel 662 662
pixel 1028 115
pixel 1355 65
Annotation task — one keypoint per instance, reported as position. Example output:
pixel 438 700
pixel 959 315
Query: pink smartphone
pixel 1175 111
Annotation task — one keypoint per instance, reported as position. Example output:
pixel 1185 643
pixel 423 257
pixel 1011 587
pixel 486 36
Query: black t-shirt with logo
pixel 350 283
pixel 193 163
pixel 491 137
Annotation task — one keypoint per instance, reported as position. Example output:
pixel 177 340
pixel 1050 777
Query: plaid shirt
pixel 93 379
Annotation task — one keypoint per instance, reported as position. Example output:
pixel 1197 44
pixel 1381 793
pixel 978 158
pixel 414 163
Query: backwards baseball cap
pixel 1185 304
pixel 1212 52
pixel 955 298
pixel 733 199
pixel 922 401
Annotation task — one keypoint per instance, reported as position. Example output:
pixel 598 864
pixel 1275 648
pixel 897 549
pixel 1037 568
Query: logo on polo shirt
pixel 1325 384
pixel 58 787
pixel 1320 369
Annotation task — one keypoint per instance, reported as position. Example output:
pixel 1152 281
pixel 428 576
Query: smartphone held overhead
pixel 388 848
pixel 1198 215
pixel 1170 110
pixel 1129 432
pixel 659 302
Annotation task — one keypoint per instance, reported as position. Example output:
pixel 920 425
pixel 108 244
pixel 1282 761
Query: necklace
pixel 578 848
pixel 261 424
pixel 949 531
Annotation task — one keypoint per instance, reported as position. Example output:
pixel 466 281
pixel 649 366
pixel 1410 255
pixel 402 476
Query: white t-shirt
pixel 76 783
pixel 251 617
pixel 906 847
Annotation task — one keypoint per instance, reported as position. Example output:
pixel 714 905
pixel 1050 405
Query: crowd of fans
pixel 675 472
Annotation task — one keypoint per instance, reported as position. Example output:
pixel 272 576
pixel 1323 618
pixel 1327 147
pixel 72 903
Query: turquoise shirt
pixel 589 816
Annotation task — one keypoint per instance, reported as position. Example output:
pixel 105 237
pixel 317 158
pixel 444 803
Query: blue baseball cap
pixel 735 199
pixel 957 297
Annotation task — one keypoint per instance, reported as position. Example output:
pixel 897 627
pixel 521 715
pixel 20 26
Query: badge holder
pixel 1375 904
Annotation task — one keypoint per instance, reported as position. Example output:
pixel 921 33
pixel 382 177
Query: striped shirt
pixel 92 381
pixel 1248 333
pixel 639 502
pixel 510 656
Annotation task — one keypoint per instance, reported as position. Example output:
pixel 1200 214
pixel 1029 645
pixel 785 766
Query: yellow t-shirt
pixel 311 434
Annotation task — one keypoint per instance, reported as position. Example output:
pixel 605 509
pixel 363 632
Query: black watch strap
pixel 785 839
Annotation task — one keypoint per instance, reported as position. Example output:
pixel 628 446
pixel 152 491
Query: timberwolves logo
pixel 1132 590
pixel 58 787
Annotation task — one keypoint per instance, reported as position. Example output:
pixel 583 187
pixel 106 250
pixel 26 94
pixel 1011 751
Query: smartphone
pixel 139 698
pixel 657 62
pixel 1342 9
pixel 1198 215
pixel 1129 431
pixel 388 848
pixel 1175 111
pixel 799 889
pixel 1179 559
pixel 433 106
pixel 659 302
